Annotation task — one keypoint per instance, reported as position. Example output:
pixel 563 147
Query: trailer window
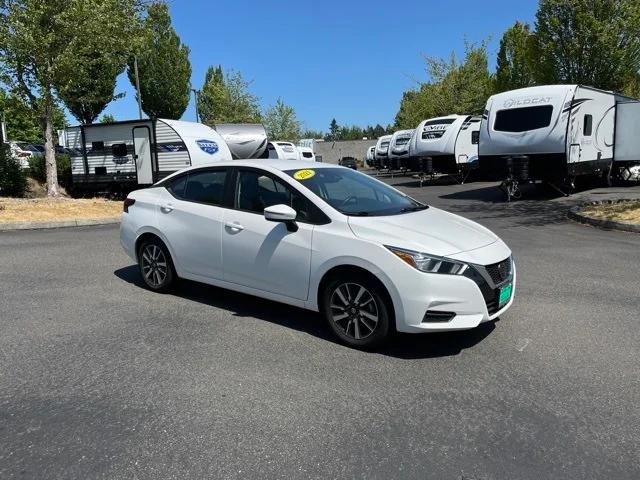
pixel 588 125
pixel 475 137
pixel 96 146
pixel 523 119
pixel 119 149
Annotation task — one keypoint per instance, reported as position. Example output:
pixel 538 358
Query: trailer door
pixel 627 139
pixel 142 154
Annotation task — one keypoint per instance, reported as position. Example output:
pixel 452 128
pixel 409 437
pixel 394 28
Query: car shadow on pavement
pixel 403 346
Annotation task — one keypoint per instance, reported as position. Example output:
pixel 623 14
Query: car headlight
pixel 429 263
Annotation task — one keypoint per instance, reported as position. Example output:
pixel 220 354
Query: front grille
pixel 499 272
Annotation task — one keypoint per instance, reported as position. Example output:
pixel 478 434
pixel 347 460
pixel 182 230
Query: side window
pixel 256 191
pixel 119 149
pixel 205 186
pixel 475 137
pixel 176 186
pixel 97 146
pixel 588 125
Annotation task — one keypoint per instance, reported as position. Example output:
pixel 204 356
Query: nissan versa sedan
pixel 371 259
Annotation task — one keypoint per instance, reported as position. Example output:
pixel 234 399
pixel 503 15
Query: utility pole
pixel 195 94
pixel 135 65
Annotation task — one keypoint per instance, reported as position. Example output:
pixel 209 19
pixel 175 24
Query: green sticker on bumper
pixel 505 294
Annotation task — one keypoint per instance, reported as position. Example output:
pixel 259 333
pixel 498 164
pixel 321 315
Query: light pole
pixel 195 95
pixel 135 66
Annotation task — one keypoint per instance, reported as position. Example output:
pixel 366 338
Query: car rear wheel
pixel 156 266
pixel 357 311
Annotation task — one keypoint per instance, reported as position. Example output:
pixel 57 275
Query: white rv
pixel 445 144
pixel 282 150
pixel 554 133
pixel 370 156
pixel 399 148
pixel 382 151
pixel 121 156
pixel 306 153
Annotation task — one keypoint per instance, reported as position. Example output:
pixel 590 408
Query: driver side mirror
pixel 282 213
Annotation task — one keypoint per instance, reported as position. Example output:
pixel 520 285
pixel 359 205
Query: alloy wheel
pixel 354 310
pixel 154 265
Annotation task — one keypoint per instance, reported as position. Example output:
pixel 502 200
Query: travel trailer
pixel 445 145
pixel 122 156
pixel 382 152
pixel 399 149
pixel 282 150
pixel 369 157
pixel 555 133
pixel 306 153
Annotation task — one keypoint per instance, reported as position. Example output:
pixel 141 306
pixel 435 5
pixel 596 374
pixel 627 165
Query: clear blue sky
pixel 345 59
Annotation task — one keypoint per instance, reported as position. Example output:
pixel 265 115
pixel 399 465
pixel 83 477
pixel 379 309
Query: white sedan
pixel 368 257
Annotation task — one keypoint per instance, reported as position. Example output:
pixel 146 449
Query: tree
pixel 591 42
pixel 453 87
pixel 163 66
pixel 514 64
pixel 107 118
pixel 312 134
pixel 88 91
pixel 42 44
pixel 281 122
pixel 334 130
pixel 23 122
pixel 226 99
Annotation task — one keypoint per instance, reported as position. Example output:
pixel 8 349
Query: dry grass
pixel 45 209
pixel 628 212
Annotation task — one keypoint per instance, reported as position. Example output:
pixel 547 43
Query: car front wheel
pixel 357 311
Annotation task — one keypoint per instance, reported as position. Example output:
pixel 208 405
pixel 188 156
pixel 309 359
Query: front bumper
pixel 468 301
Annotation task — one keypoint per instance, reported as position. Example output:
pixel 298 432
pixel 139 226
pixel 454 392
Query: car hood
pixel 430 231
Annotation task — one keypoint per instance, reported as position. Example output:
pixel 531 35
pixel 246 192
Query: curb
pixel 576 215
pixel 62 224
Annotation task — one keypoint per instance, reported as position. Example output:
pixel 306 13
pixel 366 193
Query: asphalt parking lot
pixel 101 378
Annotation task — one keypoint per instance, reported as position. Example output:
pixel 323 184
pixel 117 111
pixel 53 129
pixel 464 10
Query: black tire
pixel 357 328
pixel 155 265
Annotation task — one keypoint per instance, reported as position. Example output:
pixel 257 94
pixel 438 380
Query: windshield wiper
pixel 415 208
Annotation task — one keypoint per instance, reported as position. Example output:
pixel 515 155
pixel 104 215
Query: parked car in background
pixel 349 162
pixel 368 257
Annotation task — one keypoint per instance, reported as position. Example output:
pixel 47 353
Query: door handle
pixel 234 226
pixel 167 207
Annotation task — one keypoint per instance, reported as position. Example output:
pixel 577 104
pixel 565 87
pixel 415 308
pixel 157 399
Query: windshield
pixel 353 193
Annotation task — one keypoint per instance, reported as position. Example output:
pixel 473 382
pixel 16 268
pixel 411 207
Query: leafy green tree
pixel 43 42
pixel 226 99
pixel 163 66
pixel 281 122
pixel 107 118
pixel 13 181
pixel 312 134
pixel 453 87
pixel 591 42
pixel 23 122
pixel 88 91
pixel 514 65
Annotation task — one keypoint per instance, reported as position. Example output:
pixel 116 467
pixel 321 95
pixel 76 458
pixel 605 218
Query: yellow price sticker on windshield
pixel 304 174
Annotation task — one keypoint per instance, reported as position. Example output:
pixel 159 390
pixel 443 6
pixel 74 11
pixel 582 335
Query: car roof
pixel 275 164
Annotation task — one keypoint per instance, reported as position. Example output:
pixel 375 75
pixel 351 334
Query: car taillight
pixel 127 203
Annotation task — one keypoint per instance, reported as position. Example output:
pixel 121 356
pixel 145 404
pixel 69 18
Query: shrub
pixel 13 181
pixel 38 169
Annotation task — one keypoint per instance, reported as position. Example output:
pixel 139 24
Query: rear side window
pixel 206 187
pixel 523 119
pixel 588 125
pixel 307 154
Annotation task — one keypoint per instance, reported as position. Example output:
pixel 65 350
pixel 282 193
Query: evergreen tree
pixel 514 64
pixel 226 99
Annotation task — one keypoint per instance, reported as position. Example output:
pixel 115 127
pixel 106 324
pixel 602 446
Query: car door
pixel 261 254
pixel 191 217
